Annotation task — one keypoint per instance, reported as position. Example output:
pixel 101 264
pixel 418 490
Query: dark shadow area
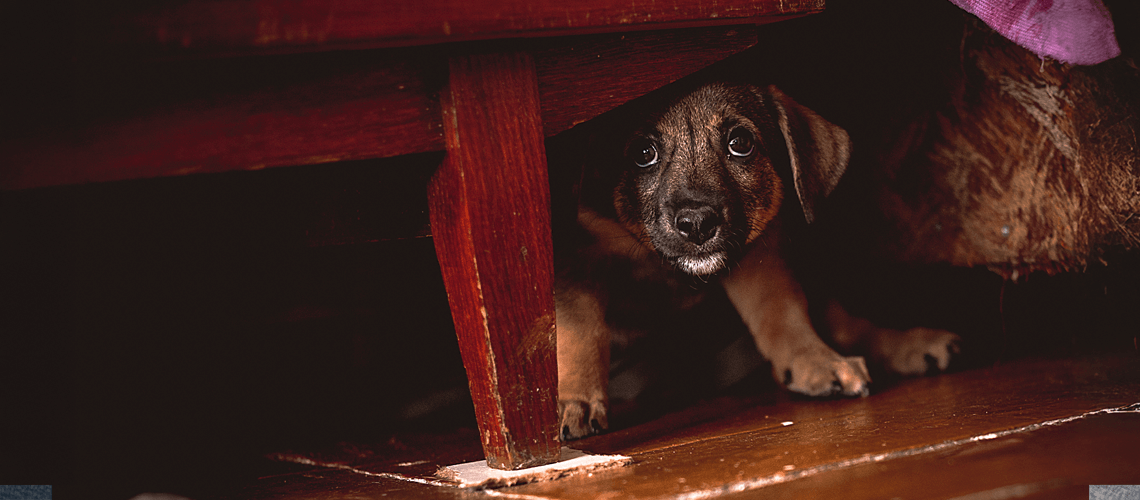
pixel 163 335
pixel 167 334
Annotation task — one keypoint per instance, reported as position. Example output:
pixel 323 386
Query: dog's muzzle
pixel 697 246
pixel 697 225
pixel 704 264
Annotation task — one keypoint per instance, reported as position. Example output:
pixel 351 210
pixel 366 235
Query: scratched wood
pixel 1024 429
pixel 226 27
pixel 490 217
pixel 900 443
pixel 329 108
pixel 123 116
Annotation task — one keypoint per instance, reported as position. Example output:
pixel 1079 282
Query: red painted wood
pixel 386 109
pixel 382 111
pixel 583 77
pixel 227 26
pixel 490 216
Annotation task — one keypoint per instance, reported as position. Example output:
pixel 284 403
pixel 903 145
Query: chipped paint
pixel 477 475
pixel 492 366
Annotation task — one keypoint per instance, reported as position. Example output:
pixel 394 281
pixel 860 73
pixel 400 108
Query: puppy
pixel 702 188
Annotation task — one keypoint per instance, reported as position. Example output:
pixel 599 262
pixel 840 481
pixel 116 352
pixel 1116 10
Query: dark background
pixel 166 334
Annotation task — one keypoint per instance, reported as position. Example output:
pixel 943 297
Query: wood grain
pixel 228 27
pixel 490 217
pixel 330 109
pixel 1021 426
pixel 849 448
pixel 583 77
pixel 382 109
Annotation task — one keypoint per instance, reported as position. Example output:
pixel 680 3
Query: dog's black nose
pixel 697 224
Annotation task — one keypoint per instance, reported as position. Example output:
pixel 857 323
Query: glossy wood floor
pixel 1032 428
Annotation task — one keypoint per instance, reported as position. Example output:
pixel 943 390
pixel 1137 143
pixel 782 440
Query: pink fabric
pixel 1072 31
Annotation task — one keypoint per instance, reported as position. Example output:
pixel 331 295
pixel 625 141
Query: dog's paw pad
pixel 580 418
pixel 923 351
pixel 826 374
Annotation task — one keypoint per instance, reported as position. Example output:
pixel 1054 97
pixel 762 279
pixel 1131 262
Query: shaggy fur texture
pixel 1029 165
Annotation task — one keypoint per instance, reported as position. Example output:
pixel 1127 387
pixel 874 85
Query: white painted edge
pixel 478 475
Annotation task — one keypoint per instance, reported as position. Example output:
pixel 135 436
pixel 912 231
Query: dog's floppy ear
pixel 818 150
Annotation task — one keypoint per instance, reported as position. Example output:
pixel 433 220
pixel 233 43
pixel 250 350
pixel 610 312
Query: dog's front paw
pixel 825 373
pixel 920 351
pixel 582 418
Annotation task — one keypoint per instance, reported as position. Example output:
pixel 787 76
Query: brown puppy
pixel 699 189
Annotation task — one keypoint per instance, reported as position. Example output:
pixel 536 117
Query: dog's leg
pixel 913 352
pixel 583 363
pixel 773 306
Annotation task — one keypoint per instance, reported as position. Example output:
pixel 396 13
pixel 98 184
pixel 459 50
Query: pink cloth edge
pixel 1071 31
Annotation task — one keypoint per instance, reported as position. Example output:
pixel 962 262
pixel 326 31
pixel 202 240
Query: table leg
pixel 490 217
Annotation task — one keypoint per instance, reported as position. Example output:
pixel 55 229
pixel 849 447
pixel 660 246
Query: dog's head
pixel 702 180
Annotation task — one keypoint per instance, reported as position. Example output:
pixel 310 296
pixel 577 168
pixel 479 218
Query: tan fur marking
pixel 614 238
pixel 762 217
pixel 583 361
pixel 774 308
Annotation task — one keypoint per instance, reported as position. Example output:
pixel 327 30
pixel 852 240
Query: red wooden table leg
pixel 490 217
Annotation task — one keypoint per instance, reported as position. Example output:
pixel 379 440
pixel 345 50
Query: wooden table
pixel 485 81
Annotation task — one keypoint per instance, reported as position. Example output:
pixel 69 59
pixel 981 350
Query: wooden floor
pixel 175 359
pixel 1034 428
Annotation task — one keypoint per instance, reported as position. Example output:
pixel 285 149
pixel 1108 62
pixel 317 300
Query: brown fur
pixel 1029 165
pixel 699 188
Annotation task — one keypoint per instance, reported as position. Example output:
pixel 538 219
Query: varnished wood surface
pixel 582 77
pixel 213 121
pixel 1033 428
pixel 212 116
pixel 1056 461
pixel 125 114
pixel 490 216
pixel 227 27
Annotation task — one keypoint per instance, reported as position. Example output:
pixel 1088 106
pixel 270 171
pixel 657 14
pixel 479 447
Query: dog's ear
pixel 818 150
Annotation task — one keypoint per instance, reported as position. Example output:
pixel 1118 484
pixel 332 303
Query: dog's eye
pixel 740 142
pixel 643 152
